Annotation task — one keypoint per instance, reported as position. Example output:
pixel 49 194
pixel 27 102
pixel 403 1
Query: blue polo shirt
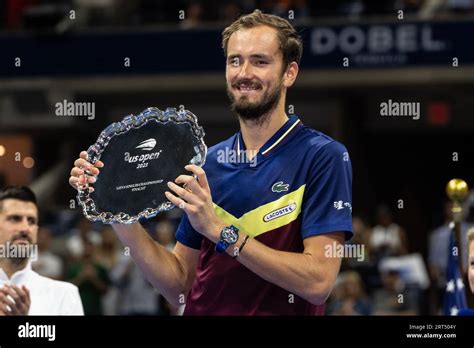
pixel 298 185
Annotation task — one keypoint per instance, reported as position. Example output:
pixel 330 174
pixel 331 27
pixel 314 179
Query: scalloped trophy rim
pixel 126 124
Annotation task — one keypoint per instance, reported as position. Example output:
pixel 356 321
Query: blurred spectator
pixel 91 278
pixel 108 250
pixel 387 238
pixel 361 230
pixel 350 298
pixel 395 298
pixel 363 264
pixel 137 295
pixel 47 264
pixel 361 238
pixel 411 267
pixel 83 232
pixel 108 254
pixel 164 234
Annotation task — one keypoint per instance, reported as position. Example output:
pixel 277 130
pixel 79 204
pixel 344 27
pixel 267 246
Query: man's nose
pixel 245 70
pixel 25 226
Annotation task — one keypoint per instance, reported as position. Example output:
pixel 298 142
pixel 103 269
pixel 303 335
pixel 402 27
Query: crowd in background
pixel 187 14
pixel 380 277
pixel 390 278
pixel 91 257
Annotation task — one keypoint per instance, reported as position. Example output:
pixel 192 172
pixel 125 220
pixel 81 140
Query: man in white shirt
pixel 23 291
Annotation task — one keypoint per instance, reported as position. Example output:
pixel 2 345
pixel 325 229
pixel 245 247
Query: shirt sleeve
pixel 187 235
pixel 327 201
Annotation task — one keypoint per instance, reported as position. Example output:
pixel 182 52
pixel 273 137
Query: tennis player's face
pixel 18 222
pixel 254 71
pixel 470 271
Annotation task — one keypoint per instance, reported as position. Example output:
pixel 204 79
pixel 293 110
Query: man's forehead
pixel 16 206
pixel 256 40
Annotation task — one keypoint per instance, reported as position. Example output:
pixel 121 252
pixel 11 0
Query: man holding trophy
pixel 254 239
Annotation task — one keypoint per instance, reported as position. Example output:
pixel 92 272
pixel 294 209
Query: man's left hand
pixel 196 201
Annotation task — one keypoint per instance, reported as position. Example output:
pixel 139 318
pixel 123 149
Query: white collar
pixel 19 277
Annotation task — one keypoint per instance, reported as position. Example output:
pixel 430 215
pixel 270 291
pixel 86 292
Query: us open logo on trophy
pixel 147 145
pixel 142 159
pixel 141 154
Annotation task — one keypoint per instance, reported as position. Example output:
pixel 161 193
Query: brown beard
pixel 256 112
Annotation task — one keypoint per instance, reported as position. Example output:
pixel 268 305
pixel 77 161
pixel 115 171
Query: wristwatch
pixel 229 236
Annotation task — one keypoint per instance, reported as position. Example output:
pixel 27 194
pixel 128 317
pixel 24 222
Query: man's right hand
pixel 78 176
pixel 14 300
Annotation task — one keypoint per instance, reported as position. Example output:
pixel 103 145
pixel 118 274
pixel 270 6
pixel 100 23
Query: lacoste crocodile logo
pixel 280 187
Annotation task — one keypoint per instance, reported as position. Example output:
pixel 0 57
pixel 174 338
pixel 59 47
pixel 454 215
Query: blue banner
pixel 390 45
pixel 398 44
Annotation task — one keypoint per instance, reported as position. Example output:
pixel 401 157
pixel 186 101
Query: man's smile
pixel 246 88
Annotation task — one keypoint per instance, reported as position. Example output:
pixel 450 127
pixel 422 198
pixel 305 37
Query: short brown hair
pixel 291 45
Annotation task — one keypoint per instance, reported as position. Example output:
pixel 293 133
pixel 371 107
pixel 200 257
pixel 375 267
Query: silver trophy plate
pixel 141 154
